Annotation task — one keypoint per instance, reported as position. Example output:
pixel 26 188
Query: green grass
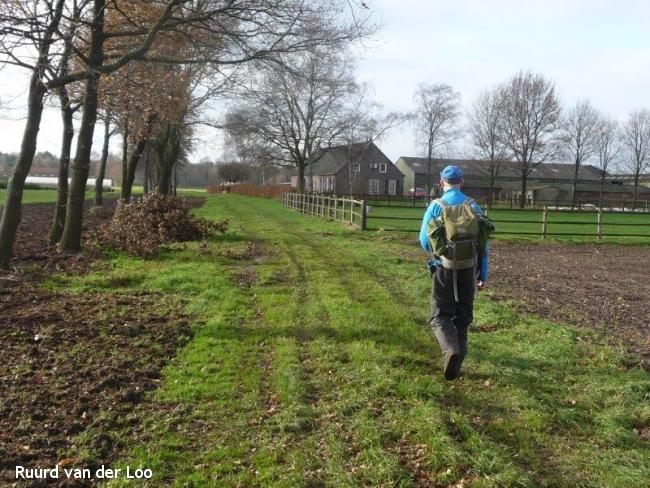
pixel 49 195
pixel 312 366
pixel 32 196
pixel 408 219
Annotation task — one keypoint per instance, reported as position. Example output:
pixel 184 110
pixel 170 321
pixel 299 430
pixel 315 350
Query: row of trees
pixel 520 124
pixel 286 116
pixel 146 69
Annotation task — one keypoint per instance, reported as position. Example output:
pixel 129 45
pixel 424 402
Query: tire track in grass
pixel 340 267
pixel 332 436
pixel 449 425
pixel 291 375
pixel 355 409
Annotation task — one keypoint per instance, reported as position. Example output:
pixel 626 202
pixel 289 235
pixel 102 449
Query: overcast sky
pixel 596 49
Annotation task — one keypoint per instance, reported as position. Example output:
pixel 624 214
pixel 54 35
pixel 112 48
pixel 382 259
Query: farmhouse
pixel 359 169
pixel 547 181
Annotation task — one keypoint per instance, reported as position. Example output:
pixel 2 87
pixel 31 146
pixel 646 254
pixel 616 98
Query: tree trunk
pixel 164 179
pixel 524 186
pixel 576 170
pixel 99 183
pixel 637 174
pixel 71 238
pixel 175 192
pixel 145 187
pixel 11 212
pixel 132 166
pixel 301 177
pixel 429 172
pixel 125 158
pixel 491 189
pixel 64 163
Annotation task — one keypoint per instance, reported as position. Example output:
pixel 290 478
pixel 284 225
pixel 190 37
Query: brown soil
pixel 67 357
pixel 603 287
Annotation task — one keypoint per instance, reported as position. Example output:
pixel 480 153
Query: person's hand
pixel 480 285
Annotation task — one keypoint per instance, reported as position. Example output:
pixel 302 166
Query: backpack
pixel 458 235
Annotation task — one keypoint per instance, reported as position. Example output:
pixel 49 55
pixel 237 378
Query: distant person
pixel 455 233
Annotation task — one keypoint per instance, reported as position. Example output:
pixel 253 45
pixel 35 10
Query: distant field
pixel 49 195
pixel 509 222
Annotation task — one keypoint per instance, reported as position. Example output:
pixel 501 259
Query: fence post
pixel 544 222
pixel 352 210
pixel 600 224
pixel 364 215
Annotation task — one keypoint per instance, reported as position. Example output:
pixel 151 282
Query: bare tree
pixel 365 124
pixel 608 147
pixel 295 111
pixel 636 138
pixel 26 27
pixel 530 122
pixel 436 117
pixel 233 172
pixel 114 34
pixel 109 131
pixel 580 135
pixel 484 122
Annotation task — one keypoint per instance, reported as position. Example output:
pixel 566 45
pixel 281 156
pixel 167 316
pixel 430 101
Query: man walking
pixel 453 231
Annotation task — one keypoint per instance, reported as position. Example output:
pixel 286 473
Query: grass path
pixel 312 366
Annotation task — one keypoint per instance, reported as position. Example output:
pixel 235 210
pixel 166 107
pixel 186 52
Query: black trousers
pixel 450 318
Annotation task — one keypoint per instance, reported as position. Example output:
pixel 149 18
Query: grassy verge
pixel 315 368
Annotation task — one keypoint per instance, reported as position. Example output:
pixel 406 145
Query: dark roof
pixel 475 168
pixel 334 158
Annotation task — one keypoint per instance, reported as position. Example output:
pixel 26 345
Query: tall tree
pixel 437 114
pixel 580 135
pixel 484 122
pixel 636 138
pixel 608 146
pixel 30 28
pixel 220 34
pixel 109 131
pixel 295 111
pixel 530 122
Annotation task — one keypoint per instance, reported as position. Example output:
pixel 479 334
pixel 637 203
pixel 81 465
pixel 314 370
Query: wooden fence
pixel 336 208
pixel 265 191
pixel 636 229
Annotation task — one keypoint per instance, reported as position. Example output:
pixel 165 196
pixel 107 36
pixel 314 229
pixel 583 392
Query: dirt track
pixel 596 286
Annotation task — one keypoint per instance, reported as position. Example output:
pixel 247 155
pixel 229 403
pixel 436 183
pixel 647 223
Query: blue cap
pixel 452 174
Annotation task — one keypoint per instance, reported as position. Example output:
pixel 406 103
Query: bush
pixel 141 227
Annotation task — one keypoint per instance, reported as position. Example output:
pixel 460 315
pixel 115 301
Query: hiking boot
pixel 453 362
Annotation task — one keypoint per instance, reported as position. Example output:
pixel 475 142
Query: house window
pixel 392 187
pixel 373 165
pixel 357 167
pixel 328 183
pixel 374 187
pixel 382 168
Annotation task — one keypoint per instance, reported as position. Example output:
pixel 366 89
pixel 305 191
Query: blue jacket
pixel 452 196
